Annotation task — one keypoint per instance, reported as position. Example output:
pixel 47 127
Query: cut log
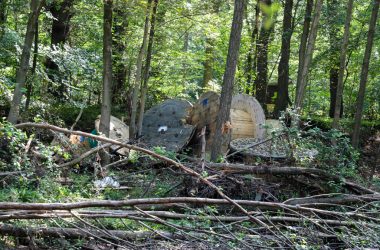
pixel 165 125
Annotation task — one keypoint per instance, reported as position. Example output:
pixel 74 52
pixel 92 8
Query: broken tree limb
pixel 148 152
pixel 245 169
pixel 333 199
pixel 75 233
pixel 85 155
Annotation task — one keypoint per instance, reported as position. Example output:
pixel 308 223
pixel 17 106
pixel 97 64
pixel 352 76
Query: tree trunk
pixel 364 74
pixel 309 55
pixel 208 63
pixel 119 46
pixel 303 43
pixel 144 88
pixel 343 52
pixel 3 16
pixel 252 54
pixel 14 111
pixel 332 12
pixel 283 67
pixel 137 83
pixel 29 84
pixel 104 126
pixel 229 76
pixel 62 11
pixel 261 80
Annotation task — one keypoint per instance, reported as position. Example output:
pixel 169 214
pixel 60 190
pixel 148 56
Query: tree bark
pixel 332 12
pixel 364 74
pixel 252 54
pixel 35 6
pixel 342 65
pixel 138 76
pixel 283 67
pixel 309 55
pixel 3 16
pixel 304 38
pixel 261 80
pixel 29 84
pixel 104 126
pixel 148 60
pixel 229 76
pixel 119 46
pixel 62 12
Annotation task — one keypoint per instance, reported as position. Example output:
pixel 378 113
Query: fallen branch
pixel 245 169
pixel 148 152
pixel 85 155
pixel 334 199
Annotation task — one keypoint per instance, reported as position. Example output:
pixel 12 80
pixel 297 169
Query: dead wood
pixel 334 199
pixel 148 152
pixel 245 169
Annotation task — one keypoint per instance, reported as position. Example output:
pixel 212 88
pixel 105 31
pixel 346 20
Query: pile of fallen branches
pixel 336 220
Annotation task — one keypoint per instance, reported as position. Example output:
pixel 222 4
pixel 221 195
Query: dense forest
pixel 170 124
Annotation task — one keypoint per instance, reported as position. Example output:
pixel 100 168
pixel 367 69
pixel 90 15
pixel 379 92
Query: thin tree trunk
pixel 3 16
pixel 62 11
pixel 137 83
pixel 309 55
pixel 208 63
pixel 22 71
pixel 303 43
pixel 119 46
pixel 104 126
pixel 342 66
pixel 262 60
pixel 283 67
pixel 144 88
pixel 364 74
pixel 332 12
pixel 229 76
pixel 29 84
pixel 252 54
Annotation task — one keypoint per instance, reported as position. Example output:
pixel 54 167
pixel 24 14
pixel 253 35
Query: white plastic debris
pixel 106 182
pixel 162 129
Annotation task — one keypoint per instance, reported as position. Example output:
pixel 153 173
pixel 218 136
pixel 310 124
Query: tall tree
pixel 342 65
pixel 62 12
pixel 304 38
pixel 262 44
pixel 308 55
pixel 3 16
pixel 148 60
pixel 228 79
pixel 283 67
pixel 252 54
pixel 120 66
pixel 104 126
pixel 35 8
pixel 364 74
pixel 29 84
pixel 138 76
pixel 333 12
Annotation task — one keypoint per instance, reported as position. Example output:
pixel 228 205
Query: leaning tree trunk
pixel 332 12
pixel 261 80
pixel 29 85
pixel 283 67
pixel 104 126
pixel 144 88
pixel 228 79
pixel 308 56
pixel 137 83
pixel 35 6
pixel 303 43
pixel 364 74
pixel 62 12
pixel 342 65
